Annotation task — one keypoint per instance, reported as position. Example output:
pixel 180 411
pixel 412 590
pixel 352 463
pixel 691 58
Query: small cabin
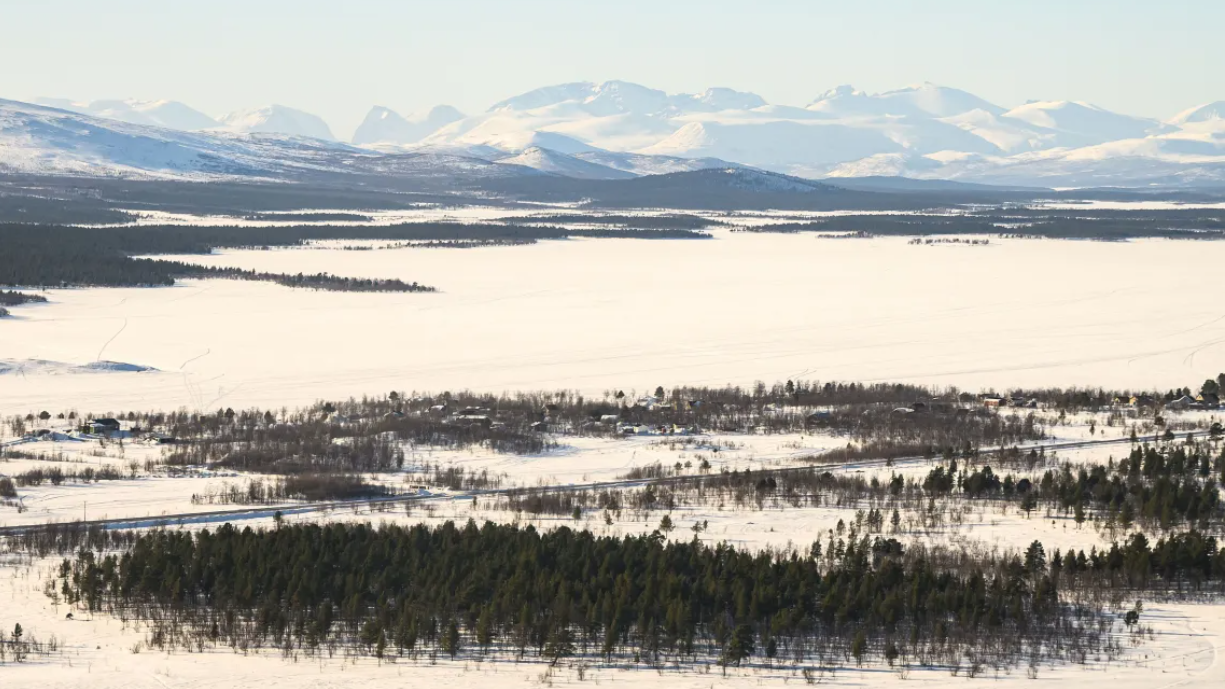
pixel 102 426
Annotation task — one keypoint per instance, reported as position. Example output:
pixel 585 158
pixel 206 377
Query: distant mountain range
pixel 619 129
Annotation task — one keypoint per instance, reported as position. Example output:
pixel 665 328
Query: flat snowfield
pixel 617 313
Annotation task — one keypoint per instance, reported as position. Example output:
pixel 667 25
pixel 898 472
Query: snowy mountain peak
pixel 548 95
pixel 385 126
pixel 1090 123
pixel 844 91
pixel 158 113
pixel 939 101
pixel 445 114
pixel 718 99
pixel 617 97
pixel 922 100
pixel 277 119
pixel 1209 112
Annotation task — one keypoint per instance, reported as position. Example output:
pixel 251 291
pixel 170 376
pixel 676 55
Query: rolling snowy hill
pixel 277 119
pixel 158 113
pixel 557 163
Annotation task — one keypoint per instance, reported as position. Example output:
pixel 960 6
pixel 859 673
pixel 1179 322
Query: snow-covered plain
pixel 632 314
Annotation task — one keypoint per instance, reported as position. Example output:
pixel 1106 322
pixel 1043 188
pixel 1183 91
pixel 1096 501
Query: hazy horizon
pixel 338 60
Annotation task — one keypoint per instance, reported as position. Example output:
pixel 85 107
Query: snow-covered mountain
pixel 1210 112
pixel 159 113
pixel 554 162
pixel 924 131
pixel 277 119
pixel 926 99
pixel 36 139
pixel 385 126
pixel 270 119
pixel 1073 124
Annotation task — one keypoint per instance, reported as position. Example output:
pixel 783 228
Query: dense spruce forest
pixel 1024 222
pixel 11 298
pixel 60 256
pixel 468 592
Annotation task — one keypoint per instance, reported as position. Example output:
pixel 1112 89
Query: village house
pixel 104 426
pixel 1181 403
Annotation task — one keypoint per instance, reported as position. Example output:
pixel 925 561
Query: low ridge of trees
pixel 472 590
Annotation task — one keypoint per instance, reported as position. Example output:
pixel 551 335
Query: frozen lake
pixel 632 314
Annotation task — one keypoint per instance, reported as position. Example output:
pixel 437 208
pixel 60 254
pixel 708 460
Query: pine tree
pixel 450 641
pixel 859 646
pixel 739 646
pixel 560 643
pixel 484 628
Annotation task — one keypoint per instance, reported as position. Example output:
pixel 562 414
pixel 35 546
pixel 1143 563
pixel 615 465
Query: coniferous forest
pixel 61 256
pixel 469 591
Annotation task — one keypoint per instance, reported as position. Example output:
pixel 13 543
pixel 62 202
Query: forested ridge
pixel 471 590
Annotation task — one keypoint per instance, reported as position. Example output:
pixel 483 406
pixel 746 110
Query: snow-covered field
pixel 624 314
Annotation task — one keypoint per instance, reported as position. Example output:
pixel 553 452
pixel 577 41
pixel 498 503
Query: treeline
pixel 11 298
pixel 472 591
pixel 369 434
pixel 313 444
pixel 1155 487
pixel 41 207
pixel 73 256
pixel 1032 222
pixel 682 221
pixel 836 393
pixel 1180 564
pixel 59 256
pixel 304 487
pixel 318 281
pixel 188 239
pixel 310 216
pixel 57 476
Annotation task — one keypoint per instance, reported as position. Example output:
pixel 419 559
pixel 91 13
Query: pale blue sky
pixel 337 58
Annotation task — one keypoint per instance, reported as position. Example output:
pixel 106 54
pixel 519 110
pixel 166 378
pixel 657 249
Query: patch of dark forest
pixel 503 591
pixel 62 256
pixel 1023 222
